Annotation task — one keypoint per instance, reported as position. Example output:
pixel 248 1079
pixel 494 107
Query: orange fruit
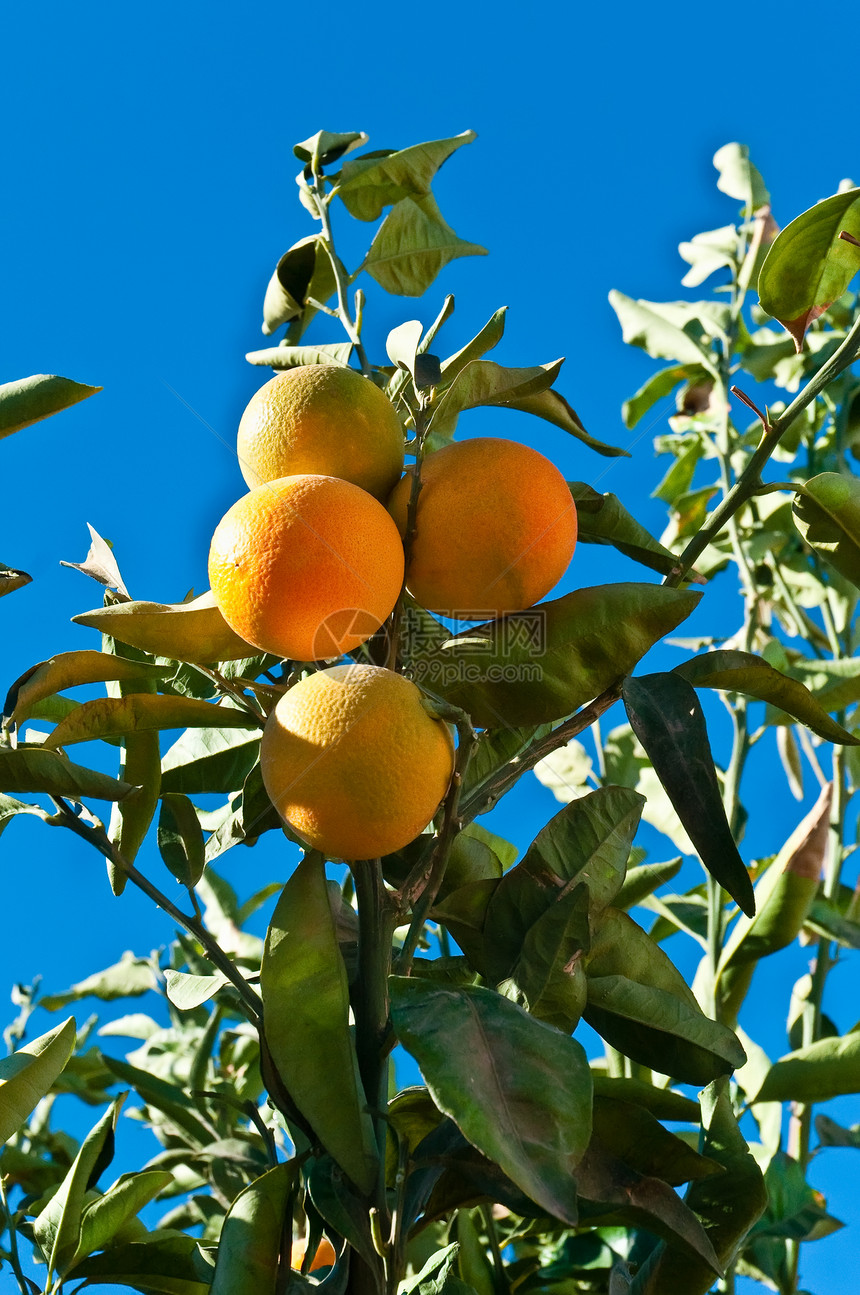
pixel 354 763
pixel 324 419
pixel 496 528
pixel 324 1257
pixel 306 567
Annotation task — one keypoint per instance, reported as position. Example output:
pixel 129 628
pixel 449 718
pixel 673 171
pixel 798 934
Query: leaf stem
pixel 340 276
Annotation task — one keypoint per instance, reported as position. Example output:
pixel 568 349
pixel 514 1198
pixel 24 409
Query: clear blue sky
pixel 149 193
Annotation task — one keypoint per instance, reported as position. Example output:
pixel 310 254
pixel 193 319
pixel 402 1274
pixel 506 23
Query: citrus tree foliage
pixel 518 1161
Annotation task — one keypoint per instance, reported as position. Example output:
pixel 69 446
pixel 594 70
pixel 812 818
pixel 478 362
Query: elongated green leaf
pixel 341 1208
pixel 827 514
pixel 186 991
pixel 483 382
pixel 370 183
pixel 288 357
pixel 652 326
pixel 103 1218
pixel 658 386
pixel 732 671
pixel 130 819
pixel 194 631
pixel 28 1074
pixel 10 808
pixel 58 1227
pixel 128 978
pixel 303 271
pixel 209 759
pixel 617 1193
pixel 306 1009
pixel 785 893
pixel 728 1205
pixel 665 715
pixel 401 345
pixel 412 245
pixel 32 769
pixel 68 670
pixel 170 1265
pixel 489 336
pixel 142 712
pixel 604 520
pixel 663 1103
pixel 551 406
pixel 163 1096
pixel 327 146
pixel 252 1239
pixel 29 400
pixel 519 1090
pixel 589 841
pixel 12 579
pixel 180 838
pixel 549 974
pixel 587 641
pixel 633 1134
pixel 828 1068
pixel 642 881
pixel 809 265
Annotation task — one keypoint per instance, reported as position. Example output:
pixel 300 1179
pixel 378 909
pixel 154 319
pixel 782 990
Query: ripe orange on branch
pixel 325 419
pixel 353 761
pixel 306 567
pixel 496 528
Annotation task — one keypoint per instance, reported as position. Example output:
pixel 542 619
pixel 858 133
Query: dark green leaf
pixel 553 408
pixel 412 245
pixel 809 266
pixel 180 838
pixel 549 975
pixel 29 400
pixel 732 671
pixel 12 579
pixel 32 769
pixel 519 1090
pixel 590 639
pixel 727 1205
pixel 483 382
pixel 642 881
pixel 171 1100
pixel 827 514
pixel 333 1197
pixel 306 1005
pixel 662 1103
pixel 633 1134
pixel 665 715
pixel 610 523
pixel 104 1218
pixel 209 759
pixel 370 183
pixel 252 1239
pixel 170 1265
pixel 28 1074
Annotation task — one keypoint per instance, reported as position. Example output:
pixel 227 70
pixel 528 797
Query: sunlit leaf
pixel 412 245
pixel 288 357
pixel 303 271
pixel 194 631
pixel 160 1265
pixel 31 769
pixel 370 183
pixel 738 177
pixel 100 564
pixel 827 514
pixel 29 1073
pixel 551 406
pixel 660 331
pixel 102 1219
pixel 69 670
pixel 827 1068
pixel 251 1246
pixel 603 519
pixel 29 400
pixel 128 978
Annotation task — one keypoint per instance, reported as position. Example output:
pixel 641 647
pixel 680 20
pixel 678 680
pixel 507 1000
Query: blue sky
pixel 149 193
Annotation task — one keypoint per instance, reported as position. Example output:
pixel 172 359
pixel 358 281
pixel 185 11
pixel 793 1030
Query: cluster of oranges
pixel 310 563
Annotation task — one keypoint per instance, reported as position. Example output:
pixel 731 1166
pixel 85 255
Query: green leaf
pixel 370 183
pixel 808 265
pixel 642 881
pixel 489 337
pixel 128 978
pixel 827 1068
pixel 209 760
pixel 661 329
pixel 10 808
pixel 57 1228
pixel 589 840
pixel 252 1238
pixel 665 715
pixel 827 514
pixel 69 670
pixel 327 146
pixel 32 769
pixel 289 357
pixel 28 1074
pixel 641 1004
pixel 785 893
pixel 194 631
pixel 341 1208
pixel 12 579
pixel 306 1009
pixel 412 245
pixel 551 406
pixel 169 1265
pixel 556 657
pixel 743 672
pixel 519 1090
pixel 633 1134
pixel 103 1218
pixel 566 771
pixel 662 1103
pixel 303 271
pixel 163 1096
pixel 708 252
pixel 483 382
pixel 658 386
pixel 739 178
pixel 727 1205
pixel 604 520
pixel 187 991
pixel 143 712
pixel 140 764
pixel 180 838
pixel 549 973
pixel 29 400
pixel 401 345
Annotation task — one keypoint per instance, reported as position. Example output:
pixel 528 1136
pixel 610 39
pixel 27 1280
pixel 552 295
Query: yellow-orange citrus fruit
pixel 324 419
pixel 496 528
pixel 354 763
pixel 306 567
pixel 324 1257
